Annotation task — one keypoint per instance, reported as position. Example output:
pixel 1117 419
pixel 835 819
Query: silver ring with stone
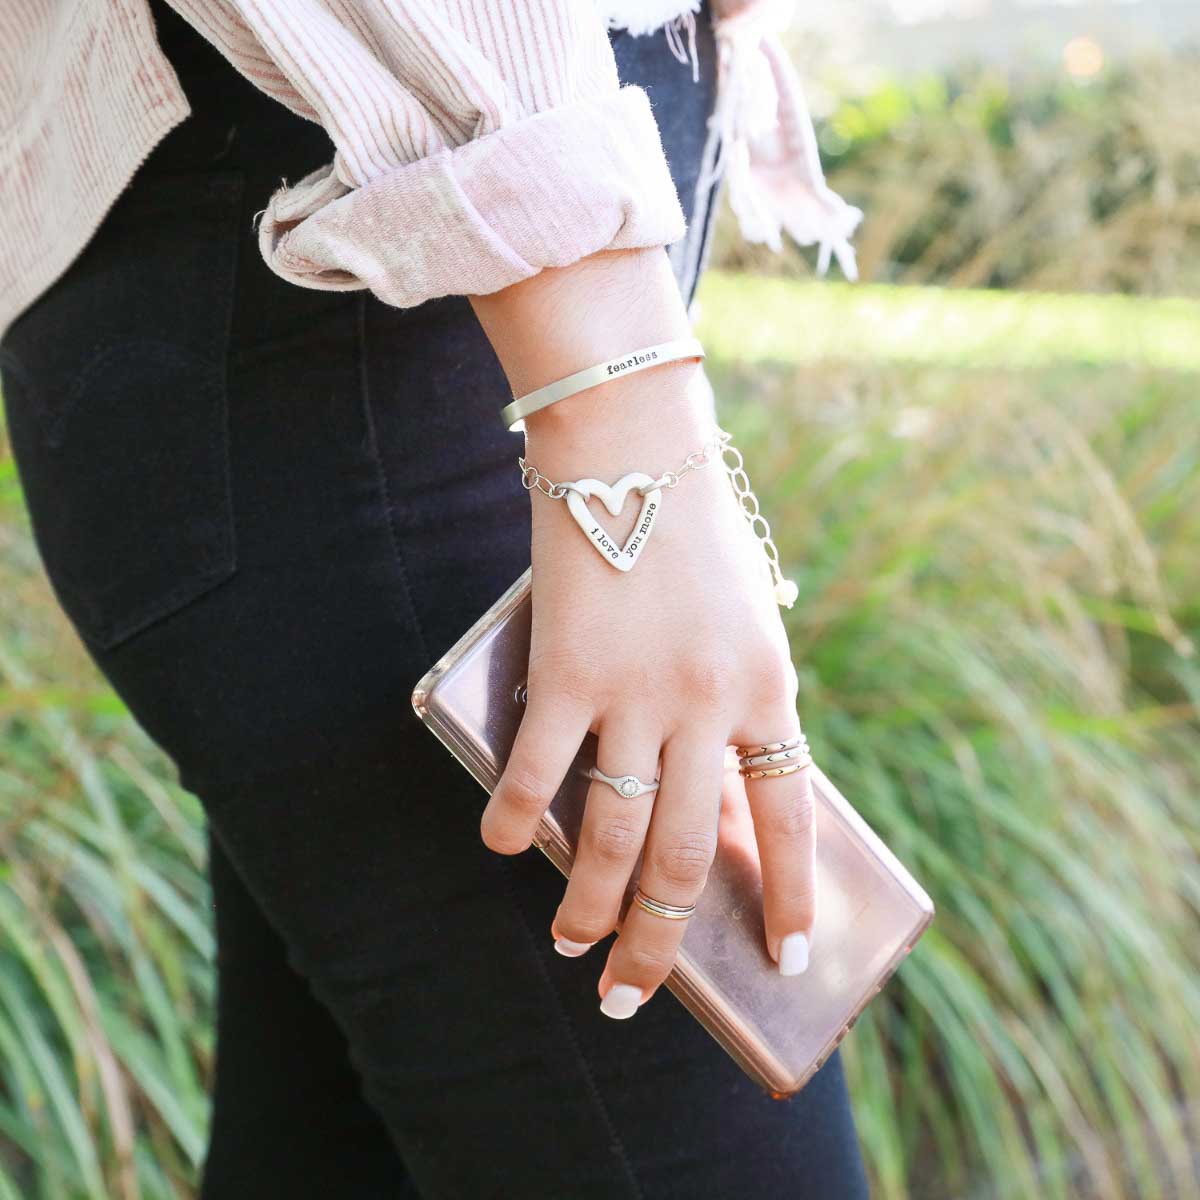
pixel 628 786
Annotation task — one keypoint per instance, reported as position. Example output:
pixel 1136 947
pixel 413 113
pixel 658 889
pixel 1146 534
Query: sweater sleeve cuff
pixel 545 191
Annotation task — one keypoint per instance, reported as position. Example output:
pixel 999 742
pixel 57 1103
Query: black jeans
pixel 267 510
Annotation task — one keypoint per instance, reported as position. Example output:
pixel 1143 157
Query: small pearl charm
pixel 786 592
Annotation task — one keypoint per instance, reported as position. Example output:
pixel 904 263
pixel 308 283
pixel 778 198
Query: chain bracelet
pixel 785 589
pixel 532 478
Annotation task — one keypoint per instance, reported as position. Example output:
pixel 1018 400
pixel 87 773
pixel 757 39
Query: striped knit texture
pixel 85 94
pixel 473 142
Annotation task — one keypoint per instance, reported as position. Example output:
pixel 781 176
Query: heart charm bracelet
pixel 650 488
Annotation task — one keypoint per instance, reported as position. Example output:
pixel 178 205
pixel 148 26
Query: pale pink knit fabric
pixel 474 142
pixel 85 94
pixel 477 142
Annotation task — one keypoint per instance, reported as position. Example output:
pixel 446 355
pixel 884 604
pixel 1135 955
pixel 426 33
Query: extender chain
pixel 786 590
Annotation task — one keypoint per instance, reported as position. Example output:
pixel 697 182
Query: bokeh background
pixel 981 465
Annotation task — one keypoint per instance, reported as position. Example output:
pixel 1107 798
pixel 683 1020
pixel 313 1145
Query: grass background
pixel 991 501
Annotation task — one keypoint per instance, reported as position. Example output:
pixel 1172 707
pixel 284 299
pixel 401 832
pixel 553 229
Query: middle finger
pixel 680 848
pixel 611 836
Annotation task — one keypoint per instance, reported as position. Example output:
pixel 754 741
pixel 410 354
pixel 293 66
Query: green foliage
pixel 983 178
pixel 105 945
pixel 995 641
pixel 770 320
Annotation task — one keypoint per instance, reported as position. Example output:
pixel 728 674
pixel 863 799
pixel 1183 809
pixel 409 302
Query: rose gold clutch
pixel 870 910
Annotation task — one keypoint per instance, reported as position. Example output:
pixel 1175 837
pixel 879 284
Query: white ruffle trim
pixel 767 146
pixel 761 136
pixel 676 18
pixel 644 16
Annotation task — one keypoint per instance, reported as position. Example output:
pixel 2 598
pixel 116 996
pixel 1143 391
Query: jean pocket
pixel 115 394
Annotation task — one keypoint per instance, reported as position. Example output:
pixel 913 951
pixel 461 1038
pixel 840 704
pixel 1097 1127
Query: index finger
pixel 551 732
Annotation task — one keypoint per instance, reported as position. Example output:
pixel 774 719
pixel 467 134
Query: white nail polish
pixel 570 949
pixel 621 1001
pixel 793 954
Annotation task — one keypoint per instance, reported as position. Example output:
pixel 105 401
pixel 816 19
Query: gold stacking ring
pixel 763 774
pixel 673 912
pixel 773 758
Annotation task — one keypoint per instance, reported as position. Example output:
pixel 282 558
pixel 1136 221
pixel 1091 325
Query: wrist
pixel 647 422
pixel 565 319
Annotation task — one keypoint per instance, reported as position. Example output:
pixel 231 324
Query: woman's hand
pixel 679 657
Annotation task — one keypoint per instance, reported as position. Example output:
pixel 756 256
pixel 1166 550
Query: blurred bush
pixel 993 505
pixel 980 178
pixel 995 643
pixel 106 988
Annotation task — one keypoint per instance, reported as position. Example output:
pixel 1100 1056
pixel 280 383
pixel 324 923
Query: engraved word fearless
pixel 633 361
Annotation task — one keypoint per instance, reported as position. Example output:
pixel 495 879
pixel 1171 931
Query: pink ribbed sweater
pixel 474 142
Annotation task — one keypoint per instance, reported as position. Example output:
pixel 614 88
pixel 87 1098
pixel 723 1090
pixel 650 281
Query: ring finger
pixel 680 847
pixel 785 829
pixel 613 831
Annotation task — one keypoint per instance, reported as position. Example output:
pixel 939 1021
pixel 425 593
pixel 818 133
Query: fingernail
pixel 570 949
pixel 793 954
pixel 621 1001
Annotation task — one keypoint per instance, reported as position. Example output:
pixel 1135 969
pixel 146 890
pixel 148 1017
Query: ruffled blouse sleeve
pixel 476 142
pixel 762 139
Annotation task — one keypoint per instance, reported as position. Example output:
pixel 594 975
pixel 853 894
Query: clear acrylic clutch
pixel 870 910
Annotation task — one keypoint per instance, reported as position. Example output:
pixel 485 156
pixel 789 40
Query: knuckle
pixel 797 899
pixel 615 842
pixel 792 907
pixel 500 841
pixel 648 962
pixel 707 681
pixel 525 791
pixel 795 816
pixel 772 679
pixel 565 677
pixel 685 860
pixel 586 927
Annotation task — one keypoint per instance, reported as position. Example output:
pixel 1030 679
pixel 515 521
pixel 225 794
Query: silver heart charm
pixel 613 498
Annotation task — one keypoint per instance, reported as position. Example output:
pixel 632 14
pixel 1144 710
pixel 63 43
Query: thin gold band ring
pixel 768 771
pixel 672 912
